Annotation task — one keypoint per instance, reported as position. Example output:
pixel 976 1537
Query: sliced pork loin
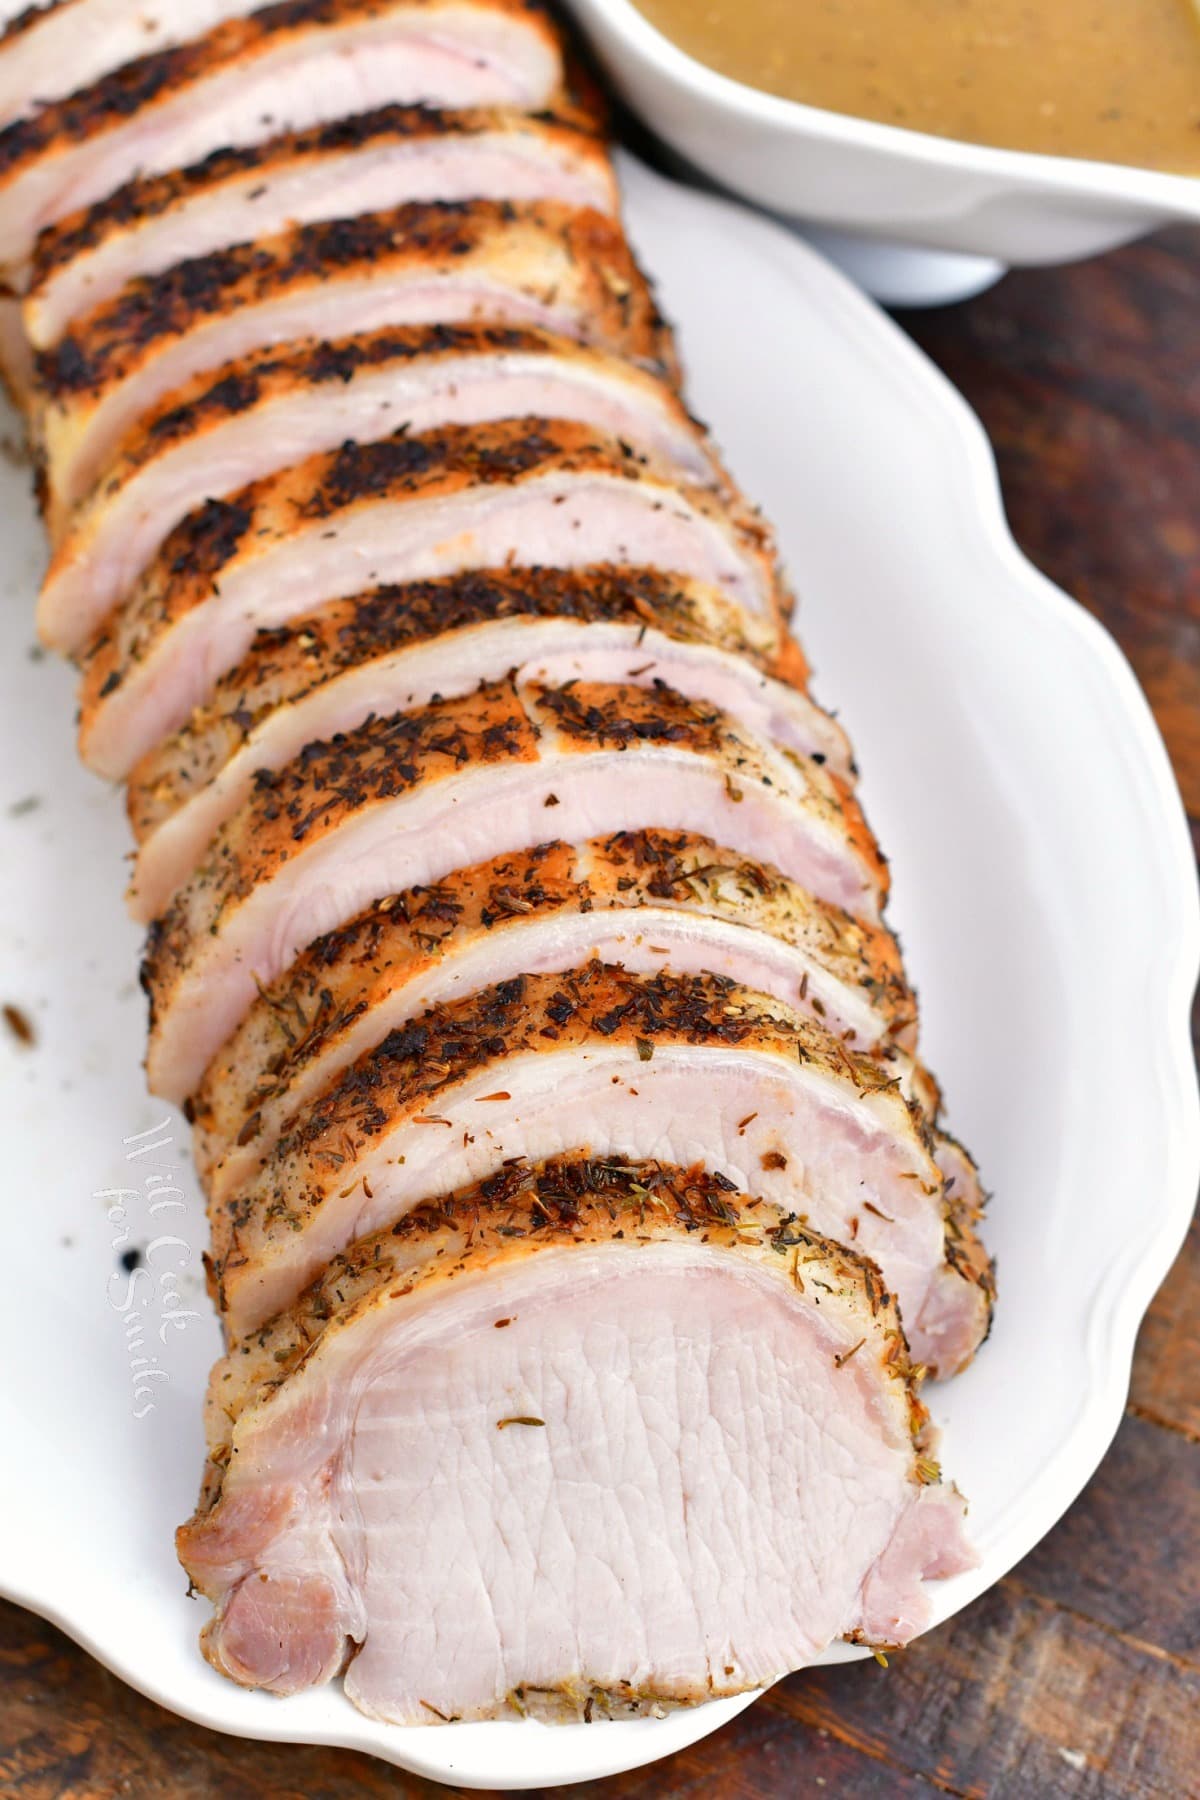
pixel 371 162
pixel 648 901
pixel 405 801
pixel 16 356
pixel 53 49
pixel 614 1065
pixel 505 1459
pixel 400 648
pixel 277 407
pixel 293 65
pixel 402 509
pixel 966 1255
pixel 342 641
pixel 560 268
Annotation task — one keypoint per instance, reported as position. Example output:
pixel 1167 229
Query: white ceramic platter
pixel 1046 896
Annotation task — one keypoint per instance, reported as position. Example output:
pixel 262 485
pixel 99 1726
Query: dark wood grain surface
pixel 1080 1674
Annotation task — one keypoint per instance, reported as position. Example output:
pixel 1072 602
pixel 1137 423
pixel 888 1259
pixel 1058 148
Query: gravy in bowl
pixel 1109 80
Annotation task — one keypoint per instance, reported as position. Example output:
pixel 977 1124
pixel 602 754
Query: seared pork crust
pixel 407 1072
pixel 138 85
pixel 200 553
pixel 21 22
pixel 105 347
pixel 154 195
pixel 195 556
pixel 387 758
pixel 425 1072
pixel 331 990
pixel 274 407
pixel 257 379
pixel 286 663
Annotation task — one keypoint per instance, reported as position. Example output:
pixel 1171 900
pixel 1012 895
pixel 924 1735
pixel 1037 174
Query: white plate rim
pixel 1121 1305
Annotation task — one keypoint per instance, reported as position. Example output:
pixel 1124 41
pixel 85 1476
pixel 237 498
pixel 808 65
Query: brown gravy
pixel 1111 80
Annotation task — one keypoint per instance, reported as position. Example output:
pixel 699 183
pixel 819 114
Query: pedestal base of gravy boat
pixel 892 272
pixel 904 274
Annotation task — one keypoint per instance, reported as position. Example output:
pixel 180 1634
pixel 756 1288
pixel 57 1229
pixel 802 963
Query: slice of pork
pixel 507 1459
pixel 565 269
pixel 403 509
pixel 341 640
pixel 405 801
pixel 616 1066
pixel 966 1256
pixel 371 162
pixel 277 407
pixel 53 49
pixel 648 901
pixel 16 356
pixel 289 67
pixel 400 649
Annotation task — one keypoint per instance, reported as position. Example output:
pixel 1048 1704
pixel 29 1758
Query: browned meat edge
pixel 156 194
pixel 106 342
pixel 137 84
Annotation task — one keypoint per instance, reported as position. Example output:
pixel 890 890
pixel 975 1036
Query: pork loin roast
pixel 582 1219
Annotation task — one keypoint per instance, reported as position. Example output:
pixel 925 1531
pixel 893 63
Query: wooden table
pixel 1080 1673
